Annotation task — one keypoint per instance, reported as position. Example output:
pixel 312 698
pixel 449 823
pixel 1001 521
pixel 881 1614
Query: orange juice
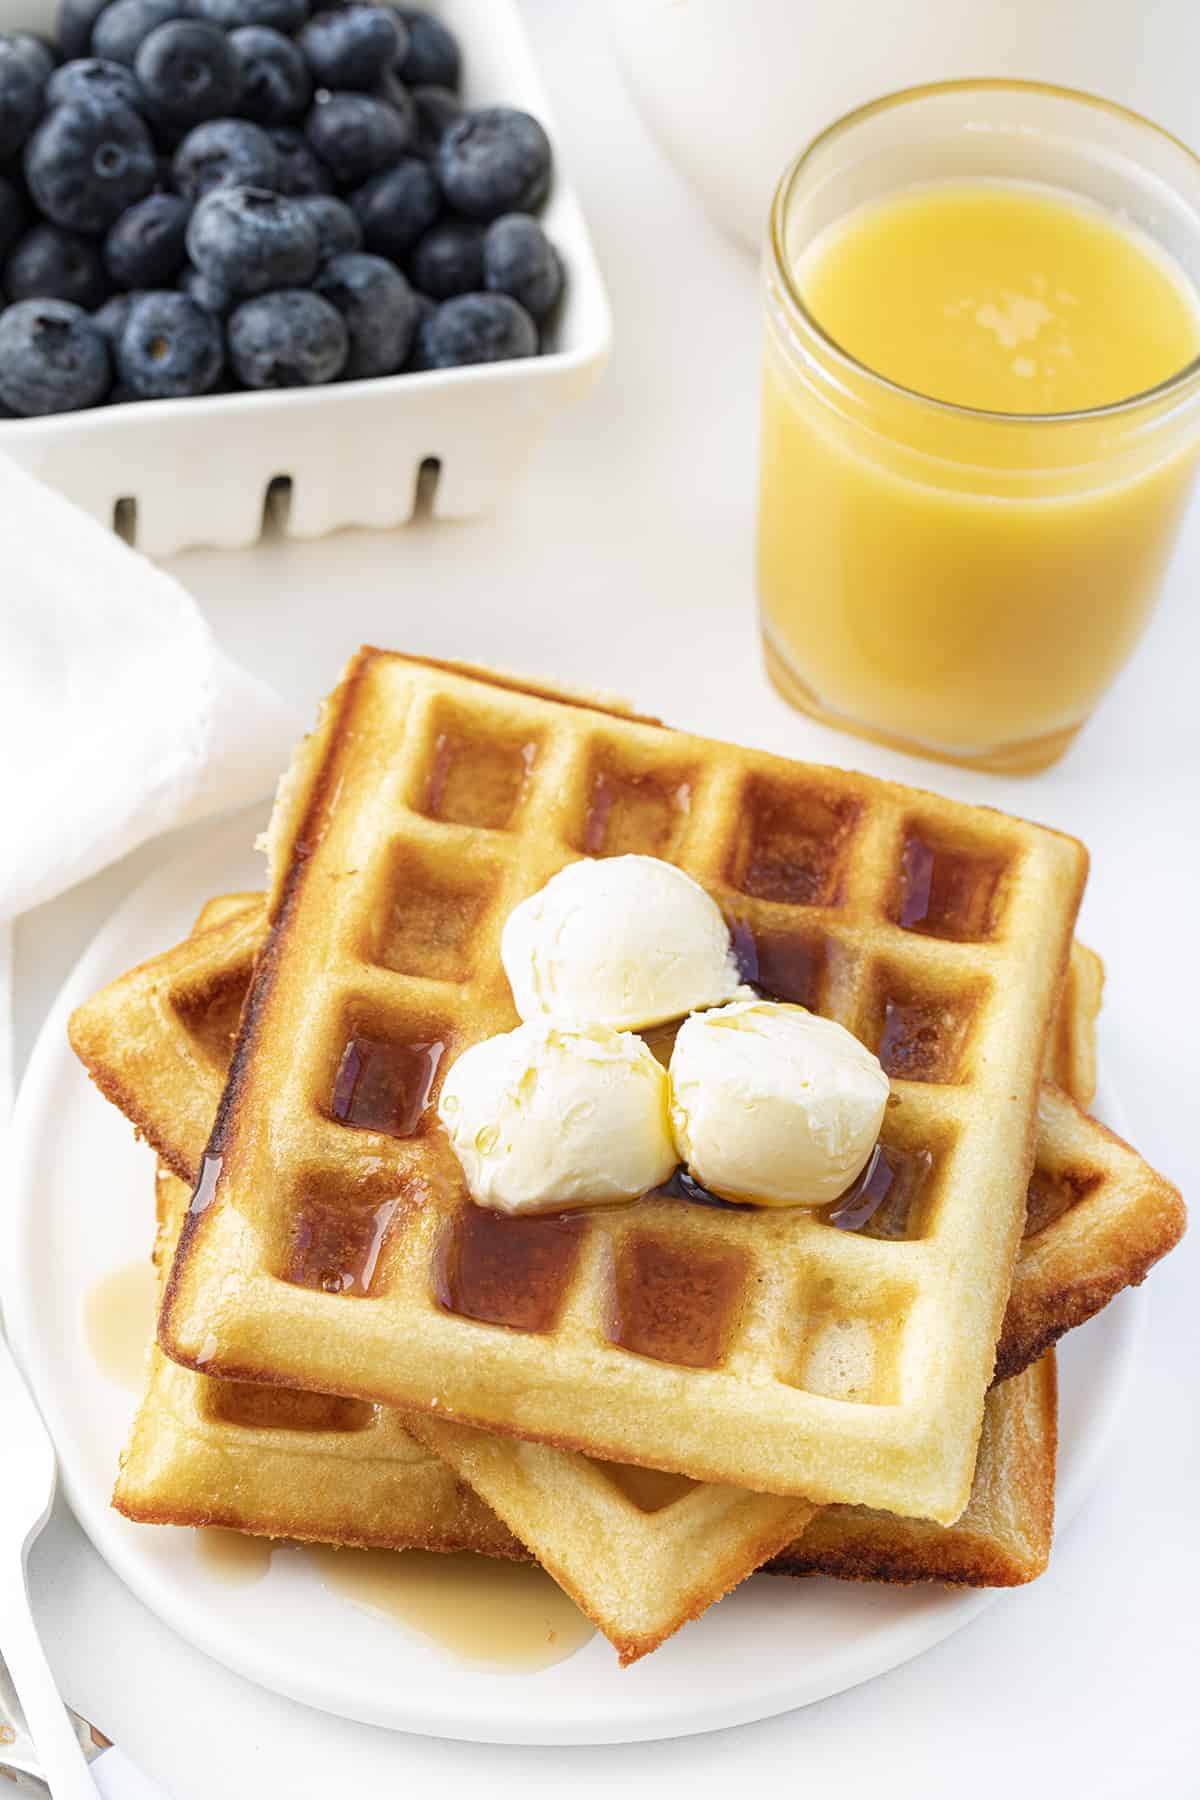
pixel 958 543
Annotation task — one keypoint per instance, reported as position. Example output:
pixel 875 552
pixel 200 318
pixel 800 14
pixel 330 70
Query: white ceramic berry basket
pixel 188 472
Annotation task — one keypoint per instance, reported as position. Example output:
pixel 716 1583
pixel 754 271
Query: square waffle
pixel 641 1551
pixel 157 1042
pixel 332 1244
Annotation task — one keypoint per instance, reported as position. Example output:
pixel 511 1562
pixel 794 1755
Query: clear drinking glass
pixel 961 583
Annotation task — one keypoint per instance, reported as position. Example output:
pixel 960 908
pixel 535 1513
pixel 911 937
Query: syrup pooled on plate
pixel 235 1558
pixel 118 1322
pixel 498 1615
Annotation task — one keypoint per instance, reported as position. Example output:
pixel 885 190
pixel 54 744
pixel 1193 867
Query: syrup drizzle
pixel 863 1198
pixel 885 1201
pixel 382 1086
pixel 118 1322
pixel 336 1247
pixel 507 1271
pixel 787 966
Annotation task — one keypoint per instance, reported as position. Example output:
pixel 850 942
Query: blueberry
pixel 397 206
pixel 250 240
pixel 337 227
pixel 448 260
pixel 477 328
pixel 356 135
pixel 87 162
pixel 274 82
pixel 493 161
pixel 91 78
pixel 146 247
pixel 170 347
pixel 75 21
pixel 417 353
pixel 436 109
pixel 22 83
pixel 281 15
pixel 347 47
pixel 433 58
pixel 293 339
pixel 212 295
pixel 110 318
pixel 188 72
pixel 224 153
pixel 519 260
pixel 379 308
pixel 13 215
pixel 39 57
pixel 122 27
pixel 300 171
pixel 50 263
pixel 52 358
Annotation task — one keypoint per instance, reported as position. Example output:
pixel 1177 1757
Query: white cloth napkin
pixel 120 716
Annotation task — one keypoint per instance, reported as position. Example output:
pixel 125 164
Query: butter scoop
pixel 626 941
pixel 545 1118
pixel 773 1104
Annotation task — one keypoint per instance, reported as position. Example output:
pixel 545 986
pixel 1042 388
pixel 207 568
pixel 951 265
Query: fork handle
pixel 49 1726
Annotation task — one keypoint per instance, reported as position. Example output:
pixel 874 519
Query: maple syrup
pixel 118 1320
pixel 682 1185
pixel 507 1271
pixel 474 779
pixel 947 893
pixel 674 1306
pixel 384 1086
pixel 234 1558
pixel 791 843
pixel 921 1040
pixel 883 1202
pixel 494 1614
pixel 641 814
pixel 337 1244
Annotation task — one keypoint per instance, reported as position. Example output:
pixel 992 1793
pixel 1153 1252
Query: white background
pixel 624 561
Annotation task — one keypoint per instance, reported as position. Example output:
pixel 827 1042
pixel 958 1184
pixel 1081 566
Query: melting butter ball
pixel 545 1118
pixel 627 941
pixel 774 1105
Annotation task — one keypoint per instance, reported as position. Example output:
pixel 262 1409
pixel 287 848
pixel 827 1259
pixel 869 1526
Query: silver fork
pixel 26 1495
pixel 18 1754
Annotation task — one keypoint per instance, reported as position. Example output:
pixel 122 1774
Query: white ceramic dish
pixel 197 471
pixel 734 92
pixel 79 1204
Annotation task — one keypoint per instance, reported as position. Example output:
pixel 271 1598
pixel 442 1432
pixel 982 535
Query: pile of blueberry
pixel 202 195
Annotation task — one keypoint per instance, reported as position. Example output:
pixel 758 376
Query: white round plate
pixel 80 1205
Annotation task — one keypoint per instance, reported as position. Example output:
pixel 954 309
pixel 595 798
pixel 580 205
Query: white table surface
pixel 624 561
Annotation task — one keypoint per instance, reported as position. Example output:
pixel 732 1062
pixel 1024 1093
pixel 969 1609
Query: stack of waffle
pixel 653 1400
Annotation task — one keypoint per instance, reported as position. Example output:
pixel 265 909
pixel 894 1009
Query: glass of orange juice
pixel 981 413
